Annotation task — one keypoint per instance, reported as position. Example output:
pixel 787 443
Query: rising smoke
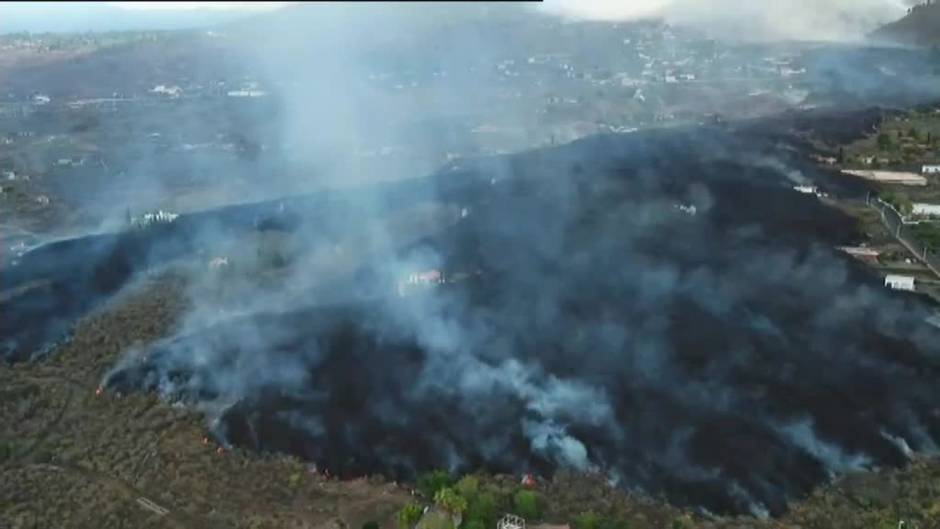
pixel 661 308
pixel 814 20
pixel 679 323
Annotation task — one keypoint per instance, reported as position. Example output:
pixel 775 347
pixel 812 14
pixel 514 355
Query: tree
pixel 473 524
pixel 526 504
pixel 587 520
pixel 408 516
pixel 371 524
pixel 450 501
pixel 482 507
pixel 431 482
pixel 614 523
pixel 468 487
pixel 885 142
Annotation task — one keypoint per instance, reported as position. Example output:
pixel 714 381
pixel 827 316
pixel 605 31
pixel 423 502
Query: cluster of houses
pixel 168 91
pixel 810 190
pixel 428 278
pixel 149 219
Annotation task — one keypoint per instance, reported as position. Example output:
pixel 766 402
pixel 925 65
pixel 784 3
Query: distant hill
pixel 920 27
pixel 72 17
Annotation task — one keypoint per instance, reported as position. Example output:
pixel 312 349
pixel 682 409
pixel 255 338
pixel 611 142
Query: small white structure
pixel 890 177
pixel 926 210
pixel 806 190
pixel 171 91
pixel 218 263
pixel 158 217
pixel 687 209
pixel 430 277
pixel 247 93
pixel 511 521
pixel 897 282
pixel 931 169
pixel 41 99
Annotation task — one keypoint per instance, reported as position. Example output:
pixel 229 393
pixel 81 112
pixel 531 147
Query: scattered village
pixel 901 219
pixel 70 161
pixel 62 145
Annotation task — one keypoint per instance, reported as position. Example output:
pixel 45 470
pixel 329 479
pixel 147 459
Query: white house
pixel 897 282
pixel 926 210
pixel 931 169
pixel 41 99
pixel 247 93
pixel 171 91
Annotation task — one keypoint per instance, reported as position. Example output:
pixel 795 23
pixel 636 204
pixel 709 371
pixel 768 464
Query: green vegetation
pixel 371 524
pixel 900 202
pixel 885 142
pixel 901 141
pixel 450 501
pixel 430 482
pixel 468 486
pixel 473 524
pixel 587 520
pixel 436 519
pixel 928 234
pixel 7 450
pixel 526 504
pixel 481 509
pixel 408 516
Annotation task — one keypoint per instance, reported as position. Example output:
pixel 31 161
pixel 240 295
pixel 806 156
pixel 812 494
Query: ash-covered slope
pixel 659 307
pixel 921 26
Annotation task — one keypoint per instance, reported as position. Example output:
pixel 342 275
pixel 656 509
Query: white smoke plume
pixel 749 20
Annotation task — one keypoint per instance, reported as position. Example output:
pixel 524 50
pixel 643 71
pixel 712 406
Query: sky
pixel 117 16
pixel 223 6
pixel 832 20
pixel 817 20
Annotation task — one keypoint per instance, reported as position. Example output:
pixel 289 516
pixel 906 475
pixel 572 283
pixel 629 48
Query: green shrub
pixel 450 501
pixel 371 524
pixel 7 449
pixel 431 482
pixel 614 523
pixel 408 516
pixel 473 524
pixel 482 508
pixel 587 520
pixel 468 487
pixel 526 504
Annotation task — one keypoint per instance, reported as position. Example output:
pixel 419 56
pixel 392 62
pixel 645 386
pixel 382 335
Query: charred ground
pixel 590 322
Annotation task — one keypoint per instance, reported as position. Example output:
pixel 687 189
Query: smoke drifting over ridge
pixel 727 358
pixel 814 20
pixel 660 307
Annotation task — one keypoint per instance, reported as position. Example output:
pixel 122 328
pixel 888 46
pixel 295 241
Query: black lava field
pixel 660 307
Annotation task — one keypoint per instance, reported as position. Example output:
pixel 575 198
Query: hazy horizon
pixel 838 20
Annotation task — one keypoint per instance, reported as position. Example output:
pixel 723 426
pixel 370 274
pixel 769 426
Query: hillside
pixel 921 26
